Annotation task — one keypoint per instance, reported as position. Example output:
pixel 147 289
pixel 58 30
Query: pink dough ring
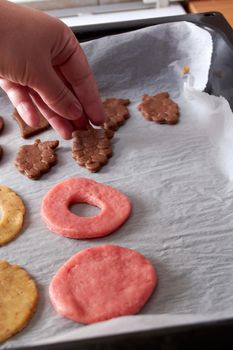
pixel 115 208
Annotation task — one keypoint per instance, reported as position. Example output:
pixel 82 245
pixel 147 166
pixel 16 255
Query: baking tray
pixel 221 70
pixel 215 334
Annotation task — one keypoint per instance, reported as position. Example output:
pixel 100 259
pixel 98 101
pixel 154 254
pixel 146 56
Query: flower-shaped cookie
pixel 159 108
pixel 92 147
pixel 37 159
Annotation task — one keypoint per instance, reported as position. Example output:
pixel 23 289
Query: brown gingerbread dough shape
pixel 37 159
pixel 92 147
pixel 159 108
pixel 26 130
pixel 116 112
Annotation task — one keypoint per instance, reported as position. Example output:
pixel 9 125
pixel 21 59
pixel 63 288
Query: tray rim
pixel 212 335
pixel 211 20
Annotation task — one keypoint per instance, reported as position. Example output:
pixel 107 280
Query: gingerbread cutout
pixel 116 112
pixel 92 148
pixel 26 130
pixel 1 124
pixel 159 108
pixel 37 159
pixel 1 152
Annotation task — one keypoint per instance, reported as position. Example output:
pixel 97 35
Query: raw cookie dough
pixel 26 130
pixel 13 211
pixel 92 148
pixel 116 112
pixel 102 282
pixel 159 108
pixel 115 208
pixel 18 299
pixel 37 159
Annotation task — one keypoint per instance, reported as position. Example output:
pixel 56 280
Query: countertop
pixel 223 6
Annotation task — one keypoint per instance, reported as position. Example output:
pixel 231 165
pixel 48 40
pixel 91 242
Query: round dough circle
pixel 18 299
pixel 102 282
pixel 13 211
pixel 115 208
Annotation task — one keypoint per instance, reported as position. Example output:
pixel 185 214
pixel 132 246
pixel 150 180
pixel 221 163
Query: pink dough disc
pixel 115 208
pixel 102 282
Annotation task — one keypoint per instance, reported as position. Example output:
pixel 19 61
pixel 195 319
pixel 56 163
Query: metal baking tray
pixel 206 335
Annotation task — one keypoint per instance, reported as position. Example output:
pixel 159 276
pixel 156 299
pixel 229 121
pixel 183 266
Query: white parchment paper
pixel 175 176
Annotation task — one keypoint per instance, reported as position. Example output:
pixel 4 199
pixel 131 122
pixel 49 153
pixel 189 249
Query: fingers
pixel 20 98
pixel 78 73
pixel 80 124
pixel 57 96
pixel 61 125
pixel 73 97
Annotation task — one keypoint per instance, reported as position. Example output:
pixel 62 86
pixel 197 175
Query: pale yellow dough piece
pixel 18 299
pixel 12 209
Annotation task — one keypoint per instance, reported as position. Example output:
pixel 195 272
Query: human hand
pixel 42 62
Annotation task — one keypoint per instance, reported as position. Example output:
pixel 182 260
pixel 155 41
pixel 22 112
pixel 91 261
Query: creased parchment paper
pixel 178 183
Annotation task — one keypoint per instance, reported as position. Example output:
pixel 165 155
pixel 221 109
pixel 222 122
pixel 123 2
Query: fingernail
pixel 99 115
pixel 75 111
pixel 67 135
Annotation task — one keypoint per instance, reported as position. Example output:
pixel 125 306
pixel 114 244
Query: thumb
pixel 57 96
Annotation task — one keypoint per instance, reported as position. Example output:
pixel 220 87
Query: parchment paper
pixel 174 175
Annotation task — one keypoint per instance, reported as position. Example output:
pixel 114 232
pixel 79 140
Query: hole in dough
pixel 84 209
